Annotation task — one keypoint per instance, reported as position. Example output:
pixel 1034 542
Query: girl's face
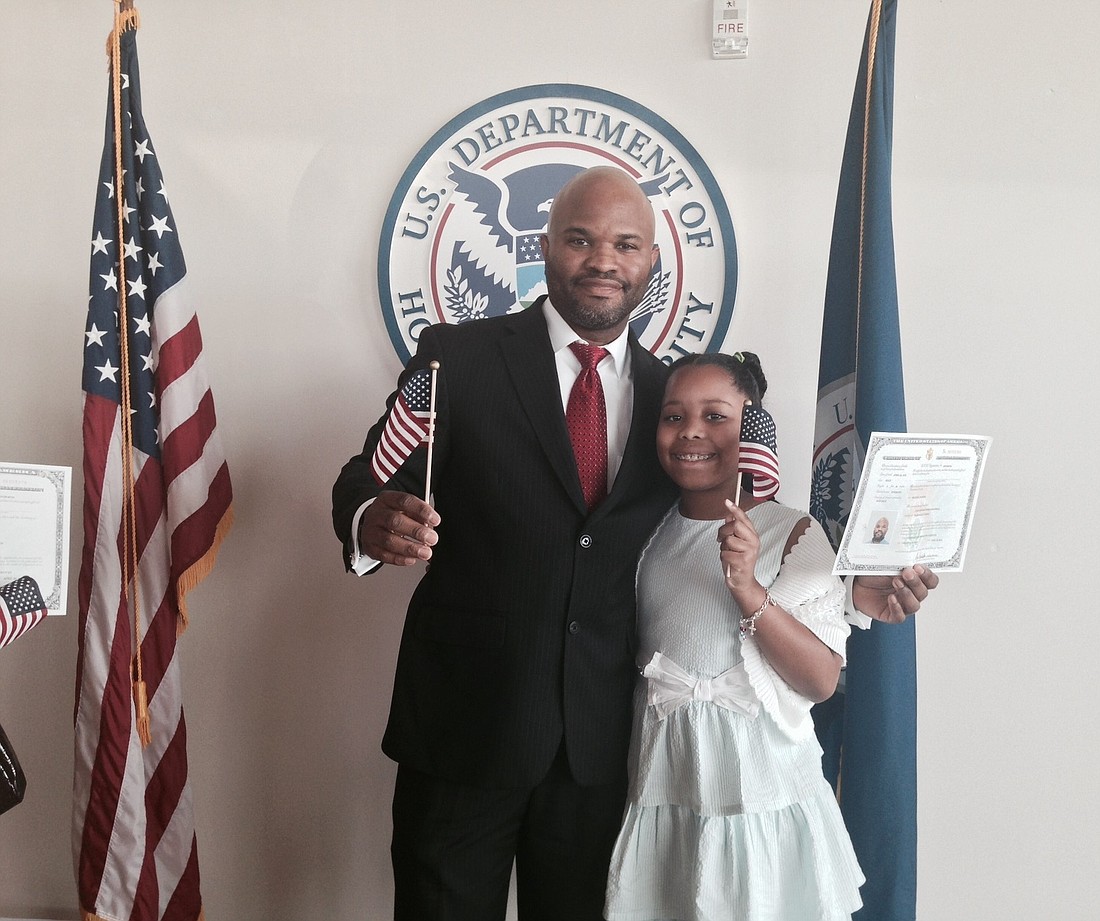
pixel 698 437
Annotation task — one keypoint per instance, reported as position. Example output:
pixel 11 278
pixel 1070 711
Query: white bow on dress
pixel 671 687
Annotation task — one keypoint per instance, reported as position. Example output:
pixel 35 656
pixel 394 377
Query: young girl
pixel 741 628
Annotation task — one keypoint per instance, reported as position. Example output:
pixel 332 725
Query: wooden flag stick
pixel 737 483
pixel 431 433
pixel 736 499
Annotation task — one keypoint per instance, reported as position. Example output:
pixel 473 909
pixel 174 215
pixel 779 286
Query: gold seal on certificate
pixel 914 504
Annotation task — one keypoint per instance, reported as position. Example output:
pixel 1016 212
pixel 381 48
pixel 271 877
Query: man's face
pixel 599 253
pixel 878 534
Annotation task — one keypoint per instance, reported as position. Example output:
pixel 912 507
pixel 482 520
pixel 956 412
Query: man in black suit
pixel 510 716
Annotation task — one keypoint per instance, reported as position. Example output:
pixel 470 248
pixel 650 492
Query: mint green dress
pixel 729 815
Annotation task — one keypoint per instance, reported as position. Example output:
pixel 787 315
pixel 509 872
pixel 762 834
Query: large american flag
pixel 406 426
pixel 21 608
pixel 759 454
pixel 133 826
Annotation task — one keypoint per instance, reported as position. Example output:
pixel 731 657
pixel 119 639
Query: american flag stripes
pixel 21 608
pixel 133 827
pixel 406 427
pixel 759 453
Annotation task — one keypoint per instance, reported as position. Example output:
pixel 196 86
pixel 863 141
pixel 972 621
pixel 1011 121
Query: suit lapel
pixel 530 363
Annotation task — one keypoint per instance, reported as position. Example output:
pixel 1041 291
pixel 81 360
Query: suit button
pixel 586 541
pixel 574 626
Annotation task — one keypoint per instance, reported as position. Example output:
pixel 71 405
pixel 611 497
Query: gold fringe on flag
pixel 126 19
pixel 199 570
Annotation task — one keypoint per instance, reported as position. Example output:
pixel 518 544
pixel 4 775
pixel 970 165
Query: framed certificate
pixel 34 528
pixel 914 504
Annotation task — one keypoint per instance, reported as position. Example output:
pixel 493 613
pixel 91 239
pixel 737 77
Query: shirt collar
pixel 562 336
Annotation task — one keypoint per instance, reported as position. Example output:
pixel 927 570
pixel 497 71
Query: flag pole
pixel 740 473
pixel 868 730
pixel 431 433
pixel 127 18
pixel 737 481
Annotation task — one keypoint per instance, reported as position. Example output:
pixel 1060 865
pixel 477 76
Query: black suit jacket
pixel 522 631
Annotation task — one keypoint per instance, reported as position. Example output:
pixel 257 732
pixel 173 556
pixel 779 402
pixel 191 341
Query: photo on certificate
pixel 914 503
pixel 34 528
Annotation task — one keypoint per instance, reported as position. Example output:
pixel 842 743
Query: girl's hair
pixel 742 367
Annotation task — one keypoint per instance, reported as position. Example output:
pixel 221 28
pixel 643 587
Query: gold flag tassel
pixel 141 706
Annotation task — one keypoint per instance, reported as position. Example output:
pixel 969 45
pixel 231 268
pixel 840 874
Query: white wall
pixel 282 130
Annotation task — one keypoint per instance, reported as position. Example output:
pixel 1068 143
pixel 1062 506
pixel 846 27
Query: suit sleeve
pixel 356 483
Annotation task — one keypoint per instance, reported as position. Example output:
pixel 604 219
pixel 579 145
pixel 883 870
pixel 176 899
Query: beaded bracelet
pixel 748 624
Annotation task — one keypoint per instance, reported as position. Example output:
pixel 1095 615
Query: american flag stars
pixel 153 263
pixel 21 608
pixel 22 596
pixel 107 372
pixel 160 226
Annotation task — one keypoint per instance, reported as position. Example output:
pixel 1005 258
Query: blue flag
pixel 869 730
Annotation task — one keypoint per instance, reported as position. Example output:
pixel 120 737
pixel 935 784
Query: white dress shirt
pixel 615 375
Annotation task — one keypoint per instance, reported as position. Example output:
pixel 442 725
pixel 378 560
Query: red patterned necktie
pixel 586 418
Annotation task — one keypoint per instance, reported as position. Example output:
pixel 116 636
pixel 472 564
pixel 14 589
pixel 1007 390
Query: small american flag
pixel 21 607
pixel 759 452
pixel 406 428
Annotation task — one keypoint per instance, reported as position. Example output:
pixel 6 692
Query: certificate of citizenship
pixel 914 504
pixel 34 528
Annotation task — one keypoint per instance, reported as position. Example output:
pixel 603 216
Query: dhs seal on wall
pixel 461 236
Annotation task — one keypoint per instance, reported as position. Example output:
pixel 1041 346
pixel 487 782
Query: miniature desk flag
pixel 407 426
pixel 21 608
pixel 759 453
